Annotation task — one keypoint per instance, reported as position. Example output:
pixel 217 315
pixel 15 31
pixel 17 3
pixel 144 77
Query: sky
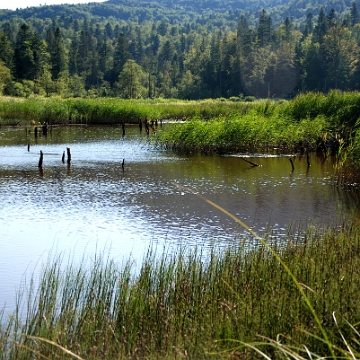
pixel 14 4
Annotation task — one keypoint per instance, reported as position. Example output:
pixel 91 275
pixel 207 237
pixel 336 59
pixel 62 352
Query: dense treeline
pixel 74 57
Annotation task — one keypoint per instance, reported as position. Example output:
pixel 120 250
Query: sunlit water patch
pixel 94 203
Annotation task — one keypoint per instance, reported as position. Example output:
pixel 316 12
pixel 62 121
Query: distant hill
pixel 184 11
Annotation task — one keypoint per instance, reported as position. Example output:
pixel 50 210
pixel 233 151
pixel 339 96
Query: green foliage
pixel 260 127
pixel 186 53
pixel 342 109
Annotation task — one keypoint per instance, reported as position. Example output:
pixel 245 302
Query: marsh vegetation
pixel 232 302
pixel 188 305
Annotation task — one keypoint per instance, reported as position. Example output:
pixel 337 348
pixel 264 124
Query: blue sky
pixel 13 4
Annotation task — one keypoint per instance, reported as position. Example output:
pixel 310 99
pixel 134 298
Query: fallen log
pixel 250 162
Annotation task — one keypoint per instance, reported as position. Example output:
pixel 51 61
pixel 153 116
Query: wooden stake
pixel 40 159
pixel 307 158
pixel 122 165
pixel 292 164
pixel 68 155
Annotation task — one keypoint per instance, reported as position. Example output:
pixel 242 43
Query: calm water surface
pixel 93 204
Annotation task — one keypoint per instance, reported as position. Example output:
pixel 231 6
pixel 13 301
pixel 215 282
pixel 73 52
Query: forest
pixel 182 50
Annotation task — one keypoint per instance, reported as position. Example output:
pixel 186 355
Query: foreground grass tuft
pixel 236 301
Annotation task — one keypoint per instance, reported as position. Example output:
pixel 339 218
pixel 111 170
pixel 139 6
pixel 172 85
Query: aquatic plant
pixel 110 110
pixel 250 132
pixel 195 304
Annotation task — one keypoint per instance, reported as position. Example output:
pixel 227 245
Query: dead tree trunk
pixel 40 159
pixel 68 155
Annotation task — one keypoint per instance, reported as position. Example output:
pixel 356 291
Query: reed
pixel 250 132
pixel 342 109
pixel 111 111
pixel 196 305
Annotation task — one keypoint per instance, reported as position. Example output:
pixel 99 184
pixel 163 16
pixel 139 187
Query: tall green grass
pixel 110 111
pixel 196 305
pixel 250 132
pixel 341 109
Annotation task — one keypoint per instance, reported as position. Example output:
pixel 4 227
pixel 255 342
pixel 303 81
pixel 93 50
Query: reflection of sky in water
pixel 94 205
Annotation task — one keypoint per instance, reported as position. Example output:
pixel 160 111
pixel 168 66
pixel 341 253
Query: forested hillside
pixel 183 49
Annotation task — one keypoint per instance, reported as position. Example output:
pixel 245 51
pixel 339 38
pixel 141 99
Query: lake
pixel 95 204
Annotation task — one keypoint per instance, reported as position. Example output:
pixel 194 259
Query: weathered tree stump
pixel 40 159
pixel 68 155
pixel 63 157
pixel 123 165
pixel 308 158
pixel 292 164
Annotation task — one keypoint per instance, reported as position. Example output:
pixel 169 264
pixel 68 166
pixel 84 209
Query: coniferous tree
pixel 103 55
pixel 73 54
pixel 23 55
pixel 354 14
pixel 244 36
pixel 312 75
pixel 121 56
pixel 264 30
pixel 58 56
pixel 308 25
pixel 321 27
pixel 109 31
pixel 30 54
pixel 6 51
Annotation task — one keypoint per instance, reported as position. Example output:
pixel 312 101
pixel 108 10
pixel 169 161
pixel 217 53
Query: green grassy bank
pixel 310 120
pixel 191 306
pixel 108 111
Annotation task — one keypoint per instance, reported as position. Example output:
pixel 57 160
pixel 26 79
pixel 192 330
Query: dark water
pixel 94 204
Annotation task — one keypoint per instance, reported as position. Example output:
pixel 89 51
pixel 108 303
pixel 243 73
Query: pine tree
pixel 73 54
pixel 6 51
pixel 30 55
pixel 354 14
pixel 58 56
pixel 321 27
pixel 121 56
pixel 264 30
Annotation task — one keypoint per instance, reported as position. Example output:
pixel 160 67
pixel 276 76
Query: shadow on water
pixel 118 191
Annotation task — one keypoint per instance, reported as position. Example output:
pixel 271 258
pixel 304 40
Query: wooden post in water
pixel 68 155
pixel 308 158
pixel 63 157
pixel 123 164
pixel 292 164
pixel 123 128
pixel 40 159
pixel 28 147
